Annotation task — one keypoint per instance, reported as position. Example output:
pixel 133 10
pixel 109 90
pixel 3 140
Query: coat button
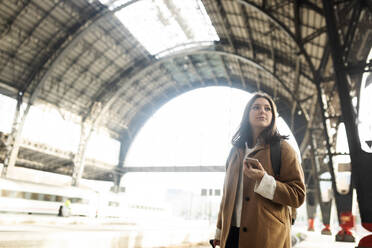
pixel 244 229
pixel 247 198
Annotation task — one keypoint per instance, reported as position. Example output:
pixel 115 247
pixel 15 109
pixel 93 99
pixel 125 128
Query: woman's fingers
pixel 253 170
pixel 254 163
pixel 259 165
pixel 250 172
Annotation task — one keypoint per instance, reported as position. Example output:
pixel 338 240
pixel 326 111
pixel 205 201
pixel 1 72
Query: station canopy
pixel 113 63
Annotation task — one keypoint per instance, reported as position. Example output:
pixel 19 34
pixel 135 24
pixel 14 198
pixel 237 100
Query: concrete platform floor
pixel 17 231
pixel 317 240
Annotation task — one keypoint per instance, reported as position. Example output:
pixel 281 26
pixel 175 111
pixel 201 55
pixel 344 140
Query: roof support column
pixel 86 128
pixel 295 90
pixel 325 204
pixel 312 111
pixel 343 201
pixel 311 196
pixel 14 139
pixel 119 172
pixel 79 158
pixel 360 160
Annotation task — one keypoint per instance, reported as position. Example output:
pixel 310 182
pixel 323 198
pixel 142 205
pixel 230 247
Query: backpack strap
pixel 276 162
pixel 275 157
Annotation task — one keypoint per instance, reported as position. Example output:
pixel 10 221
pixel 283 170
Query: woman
pixel 255 206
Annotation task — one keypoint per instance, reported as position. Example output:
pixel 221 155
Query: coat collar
pixel 256 149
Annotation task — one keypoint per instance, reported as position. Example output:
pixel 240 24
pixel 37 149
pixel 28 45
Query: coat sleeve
pixel 290 186
pixel 219 219
pixel 231 156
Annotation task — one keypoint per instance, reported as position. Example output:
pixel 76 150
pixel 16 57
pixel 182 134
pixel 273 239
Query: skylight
pixel 164 26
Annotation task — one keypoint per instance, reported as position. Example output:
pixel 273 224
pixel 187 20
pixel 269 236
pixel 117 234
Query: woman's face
pixel 260 114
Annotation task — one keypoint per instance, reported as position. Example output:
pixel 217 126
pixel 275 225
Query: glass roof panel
pixel 164 25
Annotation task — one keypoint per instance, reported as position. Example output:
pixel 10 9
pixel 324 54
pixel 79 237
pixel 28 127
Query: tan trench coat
pixel 264 223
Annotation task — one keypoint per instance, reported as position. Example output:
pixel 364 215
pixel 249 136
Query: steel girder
pixel 285 29
pixel 13 146
pixel 79 157
pixel 227 27
pixel 14 139
pixel 360 160
pixel 316 164
pixel 324 155
pixel 137 74
pixel 57 55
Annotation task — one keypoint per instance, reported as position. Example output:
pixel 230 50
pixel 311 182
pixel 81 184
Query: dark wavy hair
pixel 244 132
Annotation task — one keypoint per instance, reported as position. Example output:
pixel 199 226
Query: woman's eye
pixel 267 109
pixel 256 108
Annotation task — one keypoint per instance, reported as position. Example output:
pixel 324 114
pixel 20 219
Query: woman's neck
pixel 256 133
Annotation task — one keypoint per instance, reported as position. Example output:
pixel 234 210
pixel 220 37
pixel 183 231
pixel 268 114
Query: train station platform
pixel 314 239
pixel 19 230
pixel 45 231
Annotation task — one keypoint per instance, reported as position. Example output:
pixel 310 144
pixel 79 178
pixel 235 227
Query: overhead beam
pixel 249 31
pixel 245 18
pixel 227 74
pixel 171 78
pixel 312 6
pixel 17 49
pixel 59 52
pixel 61 49
pixel 285 29
pixel 314 34
pixel 228 30
pixel 212 69
pixel 171 169
pixel 353 24
pixel 195 70
pixel 297 20
pixel 139 64
pixel 280 58
pixel 181 71
pixel 137 74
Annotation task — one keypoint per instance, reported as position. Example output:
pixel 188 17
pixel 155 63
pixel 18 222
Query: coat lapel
pixel 264 157
pixel 256 149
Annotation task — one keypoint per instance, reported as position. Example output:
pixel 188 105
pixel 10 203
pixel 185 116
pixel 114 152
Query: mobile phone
pixel 253 165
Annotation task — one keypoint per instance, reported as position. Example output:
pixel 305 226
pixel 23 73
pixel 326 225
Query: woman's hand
pixel 253 169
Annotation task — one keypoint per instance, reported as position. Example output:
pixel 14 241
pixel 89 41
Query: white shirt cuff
pixel 217 236
pixel 267 187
